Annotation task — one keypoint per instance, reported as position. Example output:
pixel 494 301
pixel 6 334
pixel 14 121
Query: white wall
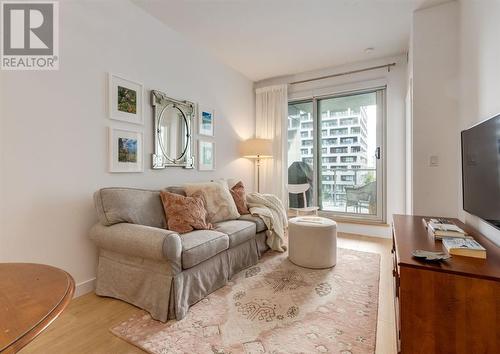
pixel 54 138
pixel 395 125
pixel 480 77
pixel 434 68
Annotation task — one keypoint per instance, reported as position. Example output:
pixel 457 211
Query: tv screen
pixel 481 170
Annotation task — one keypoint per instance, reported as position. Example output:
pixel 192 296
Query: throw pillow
pixel 184 214
pixel 231 182
pixel 240 198
pixel 218 201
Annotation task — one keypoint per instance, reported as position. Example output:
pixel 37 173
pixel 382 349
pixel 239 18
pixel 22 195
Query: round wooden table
pixel 32 296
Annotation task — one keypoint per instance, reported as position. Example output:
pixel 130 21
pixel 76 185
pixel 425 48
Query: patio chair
pixel 363 196
pixel 302 189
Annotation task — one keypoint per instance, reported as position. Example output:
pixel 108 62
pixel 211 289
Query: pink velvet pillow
pixel 239 197
pixel 184 214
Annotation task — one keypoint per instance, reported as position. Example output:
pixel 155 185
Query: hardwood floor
pixel 84 326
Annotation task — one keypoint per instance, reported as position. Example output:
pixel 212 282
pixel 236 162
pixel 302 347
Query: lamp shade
pixel 256 148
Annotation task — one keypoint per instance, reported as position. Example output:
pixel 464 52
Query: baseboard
pixel 382 231
pixel 84 287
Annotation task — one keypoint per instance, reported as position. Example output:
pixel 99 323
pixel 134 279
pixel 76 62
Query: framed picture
pixel 206 122
pixel 125 100
pixel 206 155
pixel 125 150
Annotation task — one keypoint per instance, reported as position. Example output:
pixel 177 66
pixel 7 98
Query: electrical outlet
pixel 434 161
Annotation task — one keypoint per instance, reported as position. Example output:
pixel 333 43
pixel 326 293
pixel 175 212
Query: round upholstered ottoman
pixel 312 242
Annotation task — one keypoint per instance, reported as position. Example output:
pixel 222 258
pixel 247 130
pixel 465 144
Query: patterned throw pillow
pixel 240 198
pixel 218 201
pixel 184 214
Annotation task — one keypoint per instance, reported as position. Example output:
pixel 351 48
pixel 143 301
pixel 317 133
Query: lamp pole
pixel 258 173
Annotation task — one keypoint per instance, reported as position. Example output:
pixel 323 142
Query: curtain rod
pixel 388 66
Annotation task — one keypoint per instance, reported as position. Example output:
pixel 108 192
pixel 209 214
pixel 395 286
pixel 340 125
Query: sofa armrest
pixel 140 241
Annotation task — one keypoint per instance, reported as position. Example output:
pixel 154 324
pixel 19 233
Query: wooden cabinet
pixel 447 307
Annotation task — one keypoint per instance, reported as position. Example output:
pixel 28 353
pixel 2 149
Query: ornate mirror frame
pixel 160 103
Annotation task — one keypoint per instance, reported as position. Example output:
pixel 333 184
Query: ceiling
pixel 268 38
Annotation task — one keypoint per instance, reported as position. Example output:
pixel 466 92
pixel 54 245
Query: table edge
pixel 38 328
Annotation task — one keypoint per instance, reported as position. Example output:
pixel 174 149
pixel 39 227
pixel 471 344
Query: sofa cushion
pixel 135 206
pixel 218 201
pixel 261 226
pixel 176 190
pixel 184 214
pixel 200 245
pixel 239 197
pixel 239 231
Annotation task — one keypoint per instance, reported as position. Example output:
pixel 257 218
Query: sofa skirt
pixel 260 240
pixel 153 286
pixel 138 281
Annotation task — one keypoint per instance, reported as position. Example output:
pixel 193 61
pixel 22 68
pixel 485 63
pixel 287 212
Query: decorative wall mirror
pixel 172 131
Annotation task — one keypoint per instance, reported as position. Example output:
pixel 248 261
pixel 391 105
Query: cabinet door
pixel 396 281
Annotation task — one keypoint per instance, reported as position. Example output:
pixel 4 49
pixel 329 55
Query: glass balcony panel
pixel 350 190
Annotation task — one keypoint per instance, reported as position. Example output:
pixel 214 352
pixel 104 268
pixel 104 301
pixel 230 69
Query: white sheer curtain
pixel 271 109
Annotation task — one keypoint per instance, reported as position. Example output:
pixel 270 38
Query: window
pixel 350 128
pixel 293 123
pixel 340 131
pixel 330 159
pixel 329 123
pixel 347 121
pixel 350 140
pixel 347 178
pixel 338 150
pixel 306 125
pixel 330 141
pixel 301 135
pixel 348 159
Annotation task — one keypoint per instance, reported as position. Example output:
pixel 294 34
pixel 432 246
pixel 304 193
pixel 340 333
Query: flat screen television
pixel 481 170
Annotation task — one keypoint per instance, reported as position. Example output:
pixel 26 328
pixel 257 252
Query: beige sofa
pixel 143 263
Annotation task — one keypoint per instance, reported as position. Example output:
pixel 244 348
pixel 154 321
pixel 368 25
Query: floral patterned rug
pixel 275 307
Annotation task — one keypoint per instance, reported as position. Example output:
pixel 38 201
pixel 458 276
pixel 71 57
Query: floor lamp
pixel 257 149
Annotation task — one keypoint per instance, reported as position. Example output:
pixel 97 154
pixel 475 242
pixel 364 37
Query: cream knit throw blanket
pixel 271 210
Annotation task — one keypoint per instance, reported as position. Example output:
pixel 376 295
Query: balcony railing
pixel 349 191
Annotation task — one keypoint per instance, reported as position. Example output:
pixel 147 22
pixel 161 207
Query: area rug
pixel 275 307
